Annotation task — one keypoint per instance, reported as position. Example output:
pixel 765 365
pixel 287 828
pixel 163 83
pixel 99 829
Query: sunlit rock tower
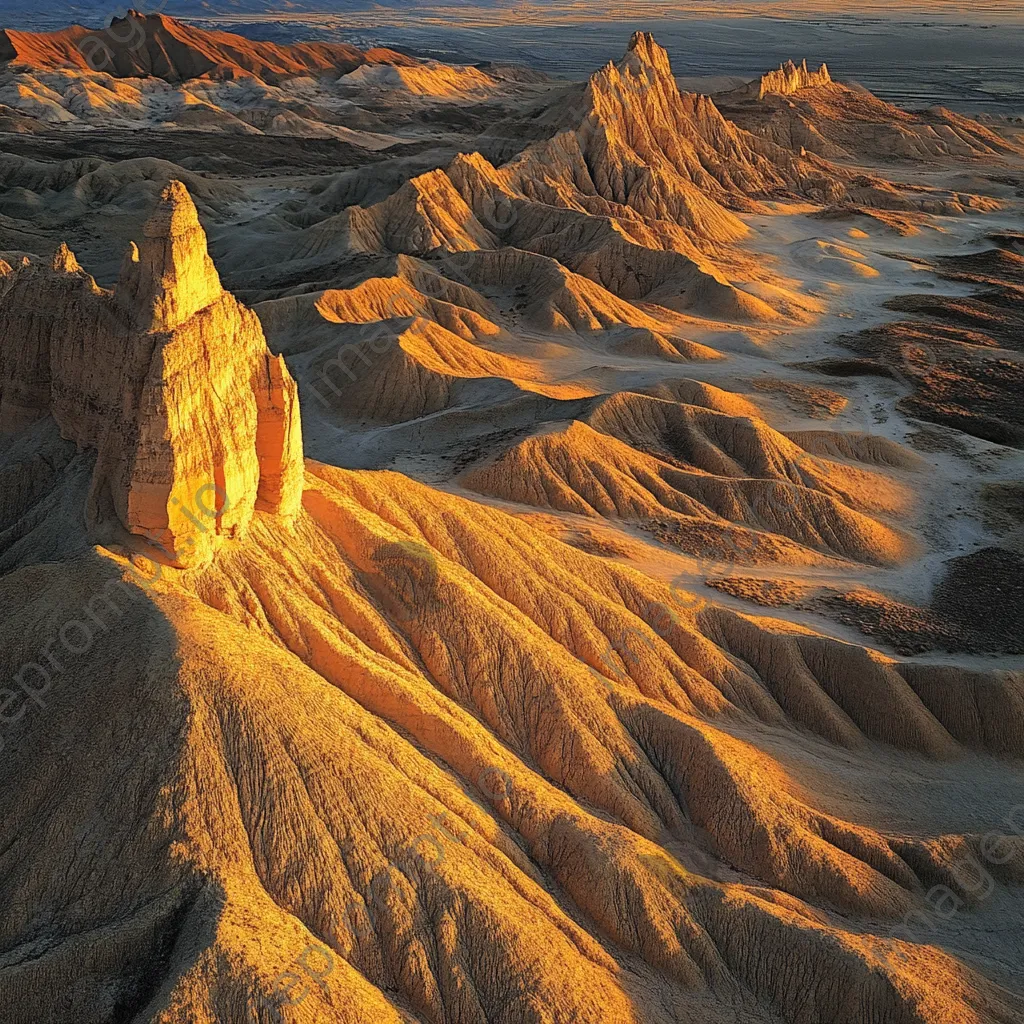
pixel 167 377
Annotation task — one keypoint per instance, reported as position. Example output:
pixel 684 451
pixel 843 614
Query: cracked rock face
pixel 167 377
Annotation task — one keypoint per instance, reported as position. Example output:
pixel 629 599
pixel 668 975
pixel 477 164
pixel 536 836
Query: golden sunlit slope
pixel 413 288
pixel 426 213
pixel 167 377
pixel 342 756
pixel 155 71
pixel 636 147
pixel 407 368
pixel 479 295
pixel 634 192
pixel 646 343
pixel 553 298
pixel 597 198
pixel 690 474
pixel 429 215
pixel 438 81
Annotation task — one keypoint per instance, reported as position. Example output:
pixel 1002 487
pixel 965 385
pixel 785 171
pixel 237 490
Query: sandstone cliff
pixel 167 377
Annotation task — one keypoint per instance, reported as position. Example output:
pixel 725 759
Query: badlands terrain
pixel 476 547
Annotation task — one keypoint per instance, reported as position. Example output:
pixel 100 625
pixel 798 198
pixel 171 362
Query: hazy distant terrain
pixel 964 56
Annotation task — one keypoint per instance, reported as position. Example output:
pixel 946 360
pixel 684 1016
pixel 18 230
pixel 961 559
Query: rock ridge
pixel 635 148
pixel 143 45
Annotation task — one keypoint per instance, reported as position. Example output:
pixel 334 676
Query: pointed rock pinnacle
pixel 169 276
pixel 64 260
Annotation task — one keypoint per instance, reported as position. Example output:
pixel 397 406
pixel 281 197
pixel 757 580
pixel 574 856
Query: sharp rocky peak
pixel 644 50
pixel 64 260
pixel 169 276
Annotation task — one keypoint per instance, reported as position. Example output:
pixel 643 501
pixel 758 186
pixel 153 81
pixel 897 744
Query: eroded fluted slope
pixel 721 487
pixel 454 755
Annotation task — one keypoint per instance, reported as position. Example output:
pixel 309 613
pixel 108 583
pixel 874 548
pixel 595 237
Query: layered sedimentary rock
pixel 633 189
pixel 431 80
pixel 478 740
pixel 167 377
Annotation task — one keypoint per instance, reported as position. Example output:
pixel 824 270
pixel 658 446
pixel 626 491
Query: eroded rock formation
pixel 807 112
pixel 167 377
pixel 643 148
pixel 789 78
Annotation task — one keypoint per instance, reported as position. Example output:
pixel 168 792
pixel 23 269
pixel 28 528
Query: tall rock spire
pixel 169 378
pixel 217 414
pixel 169 276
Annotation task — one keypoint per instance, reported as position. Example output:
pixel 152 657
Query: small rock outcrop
pixel 789 78
pixel 167 377
pixel 785 80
